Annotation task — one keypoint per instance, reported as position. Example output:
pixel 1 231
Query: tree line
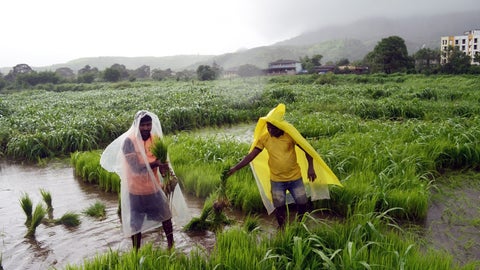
pixel 389 56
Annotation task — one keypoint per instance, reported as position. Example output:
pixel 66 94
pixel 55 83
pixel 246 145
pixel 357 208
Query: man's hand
pixel 311 174
pixel 164 168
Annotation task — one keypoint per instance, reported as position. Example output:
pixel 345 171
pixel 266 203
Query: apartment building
pixel 468 43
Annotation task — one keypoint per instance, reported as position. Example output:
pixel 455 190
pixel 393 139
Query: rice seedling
pixel 47 198
pixel 37 217
pixel 27 207
pixel 209 219
pixel 96 210
pixel 159 149
pixel 251 223
pixel 69 219
pixel 222 200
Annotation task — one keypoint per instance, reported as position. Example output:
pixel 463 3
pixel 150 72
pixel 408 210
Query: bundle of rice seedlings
pixel 251 223
pixel 47 198
pixel 160 150
pixel 201 223
pixel 37 218
pixel 27 206
pixel 210 219
pixel 69 219
pixel 222 200
pixel 96 210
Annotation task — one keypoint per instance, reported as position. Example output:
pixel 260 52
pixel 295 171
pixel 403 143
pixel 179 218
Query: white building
pixel 468 43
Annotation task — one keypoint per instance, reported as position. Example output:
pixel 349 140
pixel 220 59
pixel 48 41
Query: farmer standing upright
pixel 144 205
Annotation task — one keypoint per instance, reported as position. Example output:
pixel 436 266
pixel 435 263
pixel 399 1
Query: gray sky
pixel 40 33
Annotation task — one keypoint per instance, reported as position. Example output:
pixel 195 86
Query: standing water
pixel 56 246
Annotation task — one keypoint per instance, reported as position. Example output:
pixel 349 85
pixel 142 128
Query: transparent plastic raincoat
pixel 113 159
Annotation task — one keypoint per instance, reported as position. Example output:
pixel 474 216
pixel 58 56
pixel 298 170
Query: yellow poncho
pixel 317 189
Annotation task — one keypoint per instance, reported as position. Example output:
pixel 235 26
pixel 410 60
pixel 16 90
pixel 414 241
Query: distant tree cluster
pixel 209 73
pixel 389 56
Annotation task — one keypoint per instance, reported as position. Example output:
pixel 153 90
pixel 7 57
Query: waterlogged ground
pixel 56 246
pixel 453 221
pixel 452 224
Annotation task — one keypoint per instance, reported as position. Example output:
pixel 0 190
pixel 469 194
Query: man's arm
pixel 132 158
pixel 247 159
pixel 311 170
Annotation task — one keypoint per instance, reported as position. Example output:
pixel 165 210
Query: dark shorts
pixel 145 205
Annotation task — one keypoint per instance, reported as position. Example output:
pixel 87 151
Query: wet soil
pixel 453 221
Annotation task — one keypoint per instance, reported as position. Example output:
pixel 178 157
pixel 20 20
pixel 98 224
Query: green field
pixel 387 138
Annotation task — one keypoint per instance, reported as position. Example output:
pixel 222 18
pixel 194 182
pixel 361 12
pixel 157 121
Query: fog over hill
pixel 352 41
pixel 417 30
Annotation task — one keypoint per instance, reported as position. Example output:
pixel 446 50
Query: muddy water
pixel 56 246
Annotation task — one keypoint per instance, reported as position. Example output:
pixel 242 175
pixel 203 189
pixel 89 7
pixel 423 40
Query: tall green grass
pixel 370 241
pixel 387 138
pixel 87 167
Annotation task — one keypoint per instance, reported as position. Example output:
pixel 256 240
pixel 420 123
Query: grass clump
pixel 47 198
pixel 37 218
pixel 69 219
pixel 96 210
pixel 27 207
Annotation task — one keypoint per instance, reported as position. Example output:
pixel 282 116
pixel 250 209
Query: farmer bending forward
pixel 287 154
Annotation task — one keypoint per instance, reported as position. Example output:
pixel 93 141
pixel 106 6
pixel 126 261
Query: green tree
pixel 87 74
pixel 426 60
pixel 111 74
pixel 34 78
pixel 249 71
pixel 160 75
pixel 343 62
pixel 309 64
pixel 185 75
pixel 142 72
pixel 390 55
pixel 205 73
pixel 3 82
pixel 476 57
pixel 123 71
pixel 457 63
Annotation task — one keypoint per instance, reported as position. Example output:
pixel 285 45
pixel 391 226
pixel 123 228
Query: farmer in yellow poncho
pixel 289 163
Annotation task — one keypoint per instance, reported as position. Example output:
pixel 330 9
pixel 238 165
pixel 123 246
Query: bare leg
pixel 137 240
pixel 168 229
pixel 301 210
pixel 280 214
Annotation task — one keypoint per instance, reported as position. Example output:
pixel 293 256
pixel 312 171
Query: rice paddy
pixel 387 138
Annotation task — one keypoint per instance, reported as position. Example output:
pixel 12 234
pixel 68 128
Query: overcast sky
pixel 46 32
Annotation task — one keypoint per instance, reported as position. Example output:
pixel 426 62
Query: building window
pixel 475 40
pixel 456 42
pixel 475 46
pixel 463 48
pixel 463 41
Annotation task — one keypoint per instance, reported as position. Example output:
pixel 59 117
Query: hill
pixel 351 41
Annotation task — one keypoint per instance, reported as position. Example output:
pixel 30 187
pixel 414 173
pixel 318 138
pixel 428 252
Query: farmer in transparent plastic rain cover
pixel 144 204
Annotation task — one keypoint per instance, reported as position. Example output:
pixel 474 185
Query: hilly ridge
pixel 351 41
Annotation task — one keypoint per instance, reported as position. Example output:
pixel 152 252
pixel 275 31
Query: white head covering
pixel 113 160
